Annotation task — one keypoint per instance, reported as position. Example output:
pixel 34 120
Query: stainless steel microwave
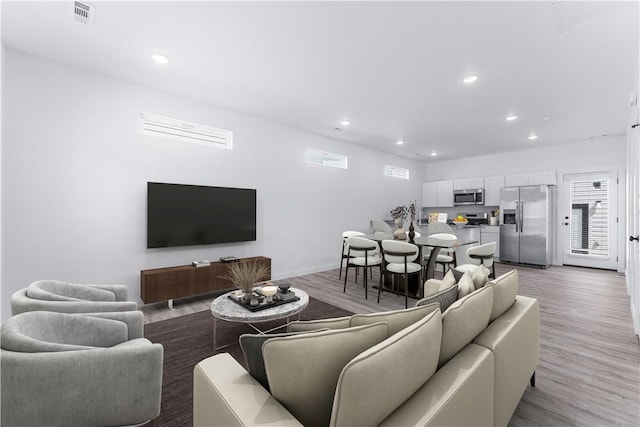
pixel 468 197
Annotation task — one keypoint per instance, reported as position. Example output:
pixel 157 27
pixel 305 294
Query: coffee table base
pixel 255 328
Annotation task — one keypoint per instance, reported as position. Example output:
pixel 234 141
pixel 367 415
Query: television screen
pixel 180 215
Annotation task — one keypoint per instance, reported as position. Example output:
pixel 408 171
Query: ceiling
pixel 395 69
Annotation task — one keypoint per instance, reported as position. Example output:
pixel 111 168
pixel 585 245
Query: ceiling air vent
pixel 185 131
pixel 83 12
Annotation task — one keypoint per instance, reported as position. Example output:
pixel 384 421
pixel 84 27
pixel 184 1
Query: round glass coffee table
pixel 224 308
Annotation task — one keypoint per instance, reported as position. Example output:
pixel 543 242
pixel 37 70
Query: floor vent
pixel 185 131
pixel 83 12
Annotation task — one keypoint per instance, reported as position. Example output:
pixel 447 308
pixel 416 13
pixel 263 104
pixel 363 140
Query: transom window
pixel 396 172
pixel 325 158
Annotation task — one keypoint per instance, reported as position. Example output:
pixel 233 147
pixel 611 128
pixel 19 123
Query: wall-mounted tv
pixel 181 215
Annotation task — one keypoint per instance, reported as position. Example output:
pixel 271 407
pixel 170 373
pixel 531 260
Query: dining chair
pixel 446 256
pixel 364 253
pixel 399 258
pixel 480 255
pixel 380 226
pixel 345 247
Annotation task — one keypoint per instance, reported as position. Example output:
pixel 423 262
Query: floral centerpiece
pixel 244 275
pixel 399 214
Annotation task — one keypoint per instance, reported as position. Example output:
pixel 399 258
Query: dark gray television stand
pixel 169 283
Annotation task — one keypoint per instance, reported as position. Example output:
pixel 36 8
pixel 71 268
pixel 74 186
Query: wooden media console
pixel 169 283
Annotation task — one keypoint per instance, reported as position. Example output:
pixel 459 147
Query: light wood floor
pixel 589 368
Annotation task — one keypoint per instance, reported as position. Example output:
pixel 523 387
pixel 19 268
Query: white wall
pixel 592 155
pixel 571 155
pixel 76 165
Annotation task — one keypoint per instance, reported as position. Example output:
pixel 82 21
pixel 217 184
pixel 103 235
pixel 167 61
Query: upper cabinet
pixel 436 194
pixel 430 194
pixel 492 186
pixel 537 178
pixel 468 183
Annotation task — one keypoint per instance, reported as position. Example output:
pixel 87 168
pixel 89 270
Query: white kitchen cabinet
pixel 468 183
pixel 540 178
pixel 492 187
pixel 516 180
pixel 445 194
pixel 437 194
pixel 430 194
pixel 491 233
pixel 535 178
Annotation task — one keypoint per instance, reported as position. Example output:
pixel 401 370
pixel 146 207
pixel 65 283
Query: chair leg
pixel 406 289
pixel 346 273
pixel 341 262
pixel 493 272
pixel 532 380
pixel 364 279
pixel 380 284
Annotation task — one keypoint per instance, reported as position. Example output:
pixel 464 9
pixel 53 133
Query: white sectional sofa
pixel 468 366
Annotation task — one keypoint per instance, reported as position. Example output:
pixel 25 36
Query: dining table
pixel 425 241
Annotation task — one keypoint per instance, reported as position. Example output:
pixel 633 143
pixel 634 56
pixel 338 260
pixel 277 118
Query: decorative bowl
pixel 284 288
pixel 269 290
pixel 461 222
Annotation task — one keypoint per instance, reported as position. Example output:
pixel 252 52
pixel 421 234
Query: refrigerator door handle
pixel 521 217
pixel 517 214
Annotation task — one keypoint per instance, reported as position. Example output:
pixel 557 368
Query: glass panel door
pixel 590 220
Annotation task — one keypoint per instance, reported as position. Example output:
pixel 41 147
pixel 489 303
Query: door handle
pixel 636 238
pixel 566 223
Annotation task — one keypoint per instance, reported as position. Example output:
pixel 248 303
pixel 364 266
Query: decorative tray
pixel 278 299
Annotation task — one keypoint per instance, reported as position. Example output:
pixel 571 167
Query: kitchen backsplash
pixel 455 211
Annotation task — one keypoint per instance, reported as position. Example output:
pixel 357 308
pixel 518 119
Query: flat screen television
pixel 182 215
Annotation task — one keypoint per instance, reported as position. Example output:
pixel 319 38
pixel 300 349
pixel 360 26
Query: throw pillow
pixel 382 378
pixel 463 321
pixel 443 298
pixel 448 280
pixel 465 285
pixel 457 274
pixel 396 320
pixel 505 289
pixel 303 369
pixel 251 345
pixel 479 277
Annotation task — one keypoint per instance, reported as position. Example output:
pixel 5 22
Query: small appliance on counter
pixel 475 219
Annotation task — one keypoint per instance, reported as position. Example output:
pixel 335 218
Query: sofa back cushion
pixel 505 289
pixel 379 380
pixel 251 345
pixel 303 369
pixel 465 285
pixel 314 325
pixel 396 320
pixel 54 290
pixel 464 320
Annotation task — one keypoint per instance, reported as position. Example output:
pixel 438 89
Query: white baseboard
pixel 295 273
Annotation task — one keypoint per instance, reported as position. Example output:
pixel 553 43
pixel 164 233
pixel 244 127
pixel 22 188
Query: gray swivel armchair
pixel 60 369
pixel 64 297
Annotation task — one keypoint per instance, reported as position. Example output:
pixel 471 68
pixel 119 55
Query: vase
pixel 412 231
pixel 399 222
pixel 246 296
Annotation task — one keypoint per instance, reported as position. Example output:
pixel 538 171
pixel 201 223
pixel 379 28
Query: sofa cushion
pixel 314 325
pixel 382 378
pixel 54 290
pixel 465 285
pixel 456 274
pixel 303 369
pixel 443 298
pixel 464 320
pixel 480 277
pixel 448 280
pixel 505 289
pixel 396 320
pixel 251 345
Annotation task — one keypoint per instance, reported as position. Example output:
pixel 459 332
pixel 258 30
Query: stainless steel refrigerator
pixel 526 229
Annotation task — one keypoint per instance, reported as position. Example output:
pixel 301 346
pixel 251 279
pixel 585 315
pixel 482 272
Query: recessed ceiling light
pixel 546 118
pixel 345 122
pixel 533 136
pixel 511 118
pixel 160 58
pixel 470 79
pixel 399 142
pixel 434 153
